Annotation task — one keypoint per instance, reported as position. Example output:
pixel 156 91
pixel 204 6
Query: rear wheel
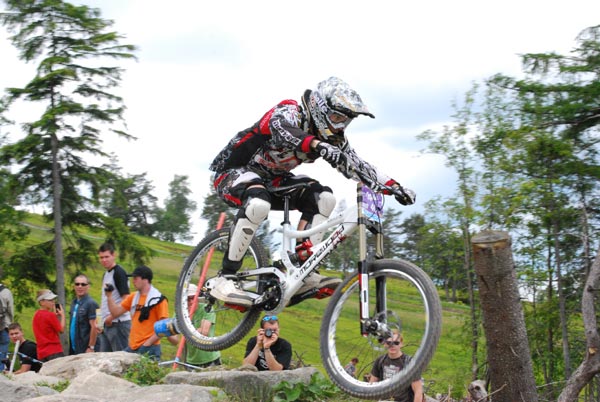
pixel 401 298
pixel 231 323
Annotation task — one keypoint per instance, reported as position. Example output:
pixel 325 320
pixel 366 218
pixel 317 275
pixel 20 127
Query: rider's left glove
pixel 403 195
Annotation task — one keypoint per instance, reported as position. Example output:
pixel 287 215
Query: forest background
pixel 524 150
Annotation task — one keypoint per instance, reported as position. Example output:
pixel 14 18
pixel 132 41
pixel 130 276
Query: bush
pixel 318 389
pixel 145 372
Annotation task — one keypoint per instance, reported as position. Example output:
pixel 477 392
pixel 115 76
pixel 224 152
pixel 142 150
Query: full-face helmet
pixel 332 106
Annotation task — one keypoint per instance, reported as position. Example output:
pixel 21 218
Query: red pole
pixel 200 284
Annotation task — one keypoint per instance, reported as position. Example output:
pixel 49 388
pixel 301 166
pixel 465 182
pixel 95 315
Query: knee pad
pixel 257 205
pixel 325 205
pixel 250 216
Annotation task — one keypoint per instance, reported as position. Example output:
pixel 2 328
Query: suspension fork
pixel 363 268
pixel 367 325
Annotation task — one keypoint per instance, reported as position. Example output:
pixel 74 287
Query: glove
pixel 404 196
pixel 331 154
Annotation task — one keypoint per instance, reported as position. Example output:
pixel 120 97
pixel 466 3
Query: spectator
pixel 48 324
pixel 27 350
pixel 82 328
pixel 266 350
pixel 205 322
pixel 392 362
pixel 146 306
pixel 114 333
pixel 7 313
pixel 351 367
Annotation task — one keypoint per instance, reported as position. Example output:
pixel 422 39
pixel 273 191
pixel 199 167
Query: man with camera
pixel 267 351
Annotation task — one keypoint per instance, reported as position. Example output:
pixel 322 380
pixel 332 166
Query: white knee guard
pixel 325 203
pixel 256 212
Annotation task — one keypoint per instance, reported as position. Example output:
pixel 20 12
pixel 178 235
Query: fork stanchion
pixel 194 305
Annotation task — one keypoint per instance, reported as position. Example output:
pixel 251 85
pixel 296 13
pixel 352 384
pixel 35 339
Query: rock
pixel 12 391
pixel 247 385
pixel 112 363
pixel 33 378
pixel 97 377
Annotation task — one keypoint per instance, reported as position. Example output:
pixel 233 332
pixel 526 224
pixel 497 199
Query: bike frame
pixel 345 223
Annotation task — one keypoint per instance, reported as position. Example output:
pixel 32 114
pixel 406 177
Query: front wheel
pixel 403 299
pixel 229 323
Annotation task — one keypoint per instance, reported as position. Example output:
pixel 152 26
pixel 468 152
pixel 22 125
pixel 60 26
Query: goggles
pixel 337 120
pixel 268 318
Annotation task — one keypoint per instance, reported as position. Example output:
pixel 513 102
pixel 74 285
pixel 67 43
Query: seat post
pixel 286 209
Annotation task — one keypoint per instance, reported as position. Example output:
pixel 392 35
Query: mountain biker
pixel 264 155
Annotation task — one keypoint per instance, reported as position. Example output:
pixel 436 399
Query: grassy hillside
pixel 299 324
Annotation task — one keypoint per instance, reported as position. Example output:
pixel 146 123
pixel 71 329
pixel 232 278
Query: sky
pixel 206 70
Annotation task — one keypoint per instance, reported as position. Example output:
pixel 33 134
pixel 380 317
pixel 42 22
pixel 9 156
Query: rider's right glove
pixel 404 196
pixel 331 154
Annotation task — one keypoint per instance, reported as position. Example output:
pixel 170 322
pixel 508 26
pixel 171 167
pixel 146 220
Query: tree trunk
pixel 58 250
pixel 591 363
pixel 562 309
pixel 509 358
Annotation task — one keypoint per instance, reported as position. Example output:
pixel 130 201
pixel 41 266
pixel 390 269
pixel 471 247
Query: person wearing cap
pixel 266 350
pixel 113 335
pixel 146 306
pixel 205 322
pixel 262 157
pixel 82 328
pixel 48 324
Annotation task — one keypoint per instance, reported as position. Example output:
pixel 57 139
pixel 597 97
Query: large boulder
pixel 12 391
pixel 247 385
pixel 91 385
pixel 68 367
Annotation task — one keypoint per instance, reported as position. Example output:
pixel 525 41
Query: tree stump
pixel 508 355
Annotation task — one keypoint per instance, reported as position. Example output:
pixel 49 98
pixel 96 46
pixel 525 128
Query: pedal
pixel 323 293
pixel 241 309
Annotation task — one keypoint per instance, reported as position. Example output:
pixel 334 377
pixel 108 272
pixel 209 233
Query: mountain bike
pixel 382 296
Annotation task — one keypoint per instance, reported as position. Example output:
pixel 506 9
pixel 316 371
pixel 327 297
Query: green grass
pixel 299 324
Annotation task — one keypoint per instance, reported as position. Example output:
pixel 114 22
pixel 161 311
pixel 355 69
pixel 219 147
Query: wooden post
pixel 508 355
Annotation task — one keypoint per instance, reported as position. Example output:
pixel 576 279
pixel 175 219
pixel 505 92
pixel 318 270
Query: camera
pixel 268 332
pixel 109 287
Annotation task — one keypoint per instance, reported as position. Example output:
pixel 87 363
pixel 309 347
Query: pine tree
pixel 74 89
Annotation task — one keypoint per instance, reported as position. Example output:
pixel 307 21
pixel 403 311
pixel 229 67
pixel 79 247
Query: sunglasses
pixel 390 343
pixel 270 318
pixel 81 284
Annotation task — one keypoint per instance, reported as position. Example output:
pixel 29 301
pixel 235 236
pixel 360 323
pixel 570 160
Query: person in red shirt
pixel 48 324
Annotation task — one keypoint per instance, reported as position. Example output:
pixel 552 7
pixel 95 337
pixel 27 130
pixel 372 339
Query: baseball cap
pixel 143 272
pixel 49 295
pixel 191 292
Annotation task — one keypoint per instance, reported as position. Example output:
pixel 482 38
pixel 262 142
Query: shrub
pixel 145 372
pixel 318 389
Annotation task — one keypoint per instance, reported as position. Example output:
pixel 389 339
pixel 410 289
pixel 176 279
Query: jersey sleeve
pixel 360 170
pixel 285 126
